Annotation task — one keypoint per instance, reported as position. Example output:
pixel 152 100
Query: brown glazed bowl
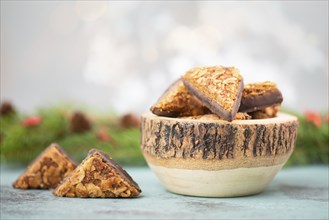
pixel 214 158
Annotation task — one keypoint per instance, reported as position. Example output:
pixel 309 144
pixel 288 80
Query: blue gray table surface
pixel 295 193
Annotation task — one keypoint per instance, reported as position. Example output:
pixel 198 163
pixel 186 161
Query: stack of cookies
pixel 221 91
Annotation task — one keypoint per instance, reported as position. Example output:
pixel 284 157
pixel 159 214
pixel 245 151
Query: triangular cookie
pixel 47 170
pixel 98 176
pixel 176 101
pixel 218 88
pixel 257 96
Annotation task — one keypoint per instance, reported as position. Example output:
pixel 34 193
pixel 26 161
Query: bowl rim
pixel 280 118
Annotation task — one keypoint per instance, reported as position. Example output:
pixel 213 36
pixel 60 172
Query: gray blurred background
pixel 121 55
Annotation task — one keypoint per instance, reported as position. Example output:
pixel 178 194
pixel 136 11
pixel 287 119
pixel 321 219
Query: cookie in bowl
pixel 219 155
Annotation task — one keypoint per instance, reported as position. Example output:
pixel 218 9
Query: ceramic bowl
pixel 210 157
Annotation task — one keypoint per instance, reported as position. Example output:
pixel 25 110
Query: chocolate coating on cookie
pixel 257 96
pixel 218 88
pixel 176 101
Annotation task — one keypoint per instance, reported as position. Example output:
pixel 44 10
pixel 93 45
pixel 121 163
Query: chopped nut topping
pixel 218 88
pixel 268 112
pixel 242 116
pixel 254 89
pixel 178 102
pixel 47 170
pixel 257 96
pixel 238 116
pixel 96 177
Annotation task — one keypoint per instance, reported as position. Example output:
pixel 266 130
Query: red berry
pixel 103 135
pixel 32 121
pixel 314 118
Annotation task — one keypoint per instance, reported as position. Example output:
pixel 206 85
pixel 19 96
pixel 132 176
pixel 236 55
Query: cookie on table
pixel 47 170
pixel 178 102
pixel 257 96
pixel 98 176
pixel 219 88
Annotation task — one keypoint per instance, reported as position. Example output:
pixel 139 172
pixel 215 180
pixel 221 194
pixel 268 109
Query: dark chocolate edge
pixel 115 165
pixel 213 106
pixel 172 114
pixel 157 111
pixel 237 102
pixel 255 103
pixel 60 149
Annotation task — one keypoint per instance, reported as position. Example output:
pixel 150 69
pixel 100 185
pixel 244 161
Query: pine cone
pixel 129 120
pixel 6 108
pixel 79 123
